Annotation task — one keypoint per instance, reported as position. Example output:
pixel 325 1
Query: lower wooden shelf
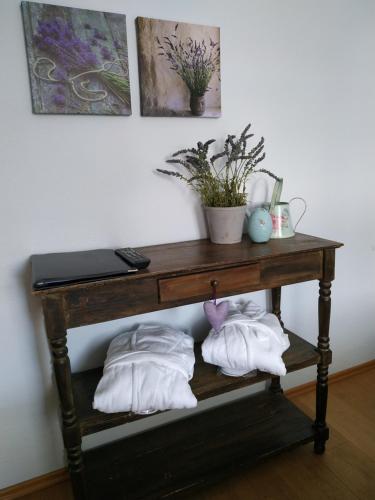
pixel 206 383
pixel 195 451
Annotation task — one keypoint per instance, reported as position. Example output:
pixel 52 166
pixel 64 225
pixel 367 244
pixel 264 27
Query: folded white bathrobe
pixel 147 369
pixel 249 339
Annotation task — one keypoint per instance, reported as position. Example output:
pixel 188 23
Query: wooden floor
pixel 345 472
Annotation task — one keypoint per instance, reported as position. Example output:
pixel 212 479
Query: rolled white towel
pixel 147 369
pixel 249 339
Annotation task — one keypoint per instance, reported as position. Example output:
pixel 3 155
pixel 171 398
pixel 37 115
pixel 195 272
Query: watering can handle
pixel 304 210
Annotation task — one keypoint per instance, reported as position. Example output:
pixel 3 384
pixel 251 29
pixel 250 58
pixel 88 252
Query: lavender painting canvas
pixel 179 68
pixel 78 60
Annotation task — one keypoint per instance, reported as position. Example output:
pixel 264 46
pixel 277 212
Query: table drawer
pixel 199 285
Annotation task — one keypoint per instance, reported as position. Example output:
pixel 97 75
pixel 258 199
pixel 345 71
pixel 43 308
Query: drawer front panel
pixel 199 285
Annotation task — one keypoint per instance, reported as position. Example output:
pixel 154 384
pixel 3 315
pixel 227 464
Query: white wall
pixel 303 72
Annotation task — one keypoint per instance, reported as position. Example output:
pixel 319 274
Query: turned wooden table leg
pixel 275 386
pixel 321 428
pixel 56 332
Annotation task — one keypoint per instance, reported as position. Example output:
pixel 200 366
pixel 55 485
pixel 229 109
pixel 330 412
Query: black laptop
pixel 56 269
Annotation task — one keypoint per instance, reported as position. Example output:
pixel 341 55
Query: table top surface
pixel 198 255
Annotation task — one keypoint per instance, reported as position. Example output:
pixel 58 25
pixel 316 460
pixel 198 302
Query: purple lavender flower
pixel 56 38
pixel 99 35
pixel 194 61
pixel 91 58
pixel 106 53
pixel 60 74
pixel 59 100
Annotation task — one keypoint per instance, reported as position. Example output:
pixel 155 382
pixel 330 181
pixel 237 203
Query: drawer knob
pixel 214 283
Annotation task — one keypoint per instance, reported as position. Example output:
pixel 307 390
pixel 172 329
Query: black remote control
pixel 133 258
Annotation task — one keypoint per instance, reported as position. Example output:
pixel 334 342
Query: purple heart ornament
pixel 216 313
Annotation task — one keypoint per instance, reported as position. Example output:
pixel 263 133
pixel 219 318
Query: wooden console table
pixel 194 451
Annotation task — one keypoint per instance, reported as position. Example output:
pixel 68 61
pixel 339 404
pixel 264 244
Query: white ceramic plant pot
pixel 225 224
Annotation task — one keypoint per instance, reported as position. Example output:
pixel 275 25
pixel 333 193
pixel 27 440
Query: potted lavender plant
pixel 194 62
pixel 220 180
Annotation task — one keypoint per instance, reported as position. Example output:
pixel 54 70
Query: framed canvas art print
pixel 179 68
pixel 78 60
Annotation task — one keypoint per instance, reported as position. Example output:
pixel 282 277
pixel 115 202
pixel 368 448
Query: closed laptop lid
pixel 56 269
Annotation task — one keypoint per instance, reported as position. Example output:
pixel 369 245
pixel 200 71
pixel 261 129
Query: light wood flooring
pixel 345 472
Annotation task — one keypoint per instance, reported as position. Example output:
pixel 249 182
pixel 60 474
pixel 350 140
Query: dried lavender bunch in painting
pixel 69 60
pixel 56 37
pixel 194 61
pixel 220 179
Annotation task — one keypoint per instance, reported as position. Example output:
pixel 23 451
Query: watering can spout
pixel 276 193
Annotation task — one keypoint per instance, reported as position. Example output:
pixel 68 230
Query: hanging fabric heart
pixel 216 313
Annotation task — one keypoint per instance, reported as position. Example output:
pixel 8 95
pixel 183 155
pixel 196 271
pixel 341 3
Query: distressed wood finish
pixel 199 285
pixel 180 274
pixel 275 386
pixel 202 449
pixel 281 262
pixel 347 470
pixel 276 303
pixel 108 301
pixel 206 383
pixel 322 432
pixel 54 315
